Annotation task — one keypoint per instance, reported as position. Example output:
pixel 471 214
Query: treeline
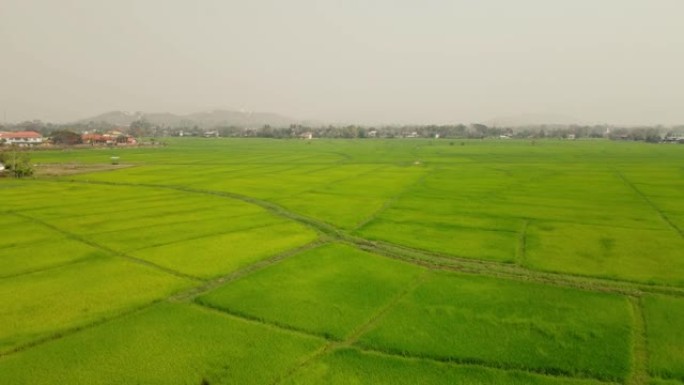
pixel 143 128
pixel 472 131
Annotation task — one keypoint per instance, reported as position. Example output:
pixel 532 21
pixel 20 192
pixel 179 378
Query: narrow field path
pixel 389 202
pixel 333 344
pixel 646 199
pixel 182 296
pixel 70 331
pixel 356 333
pixel 192 293
pixel 47 268
pixel 328 232
pixel 639 375
pixel 108 250
pixel 521 251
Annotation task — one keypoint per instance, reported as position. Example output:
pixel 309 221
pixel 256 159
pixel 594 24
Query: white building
pixel 21 138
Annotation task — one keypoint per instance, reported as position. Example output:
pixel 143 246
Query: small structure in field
pixel 115 160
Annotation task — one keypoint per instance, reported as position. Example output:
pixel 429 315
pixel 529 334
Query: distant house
pixel 306 135
pixel 22 138
pixel 2 167
pixel 109 138
pixel 93 138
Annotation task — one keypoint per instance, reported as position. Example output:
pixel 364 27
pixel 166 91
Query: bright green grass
pixel 28 246
pixel 199 234
pixel 653 256
pixel 331 290
pixel 38 305
pixel 160 233
pixel 510 324
pixel 665 332
pixel 20 232
pixel 350 201
pixel 660 381
pixel 165 345
pixel 350 366
pixel 445 238
pixel 47 253
pixel 219 254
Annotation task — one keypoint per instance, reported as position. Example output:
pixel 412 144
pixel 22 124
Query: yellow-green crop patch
pixel 165 345
pixel 665 332
pixel 652 256
pixel 351 366
pixel 511 324
pixel 219 254
pixel 44 303
pixel 22 232
pixel 330 290
pixel 43 254
pixel 445 238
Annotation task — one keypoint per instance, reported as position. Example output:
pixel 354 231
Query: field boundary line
pixel 48 268
pixel 650 203
pixel 382 311
pixel 208 235
pixel 113 252
pixel 317 225
pixel 350 342
pixel 429 258
pixel 639 374
pixel 58 335
pixel 521 252
pixel 171 298
pixel 333 182
pixel 354 334
pixel 511 271
pixel 461 362
pixel 207 286
pixel 261 321
pixel 334 344
pixel 389 202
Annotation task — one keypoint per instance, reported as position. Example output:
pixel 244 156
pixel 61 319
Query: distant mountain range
pixel 228 118
pixel 533 120
pixel 208 119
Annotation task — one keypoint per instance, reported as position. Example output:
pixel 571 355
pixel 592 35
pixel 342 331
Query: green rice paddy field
pixel 249 261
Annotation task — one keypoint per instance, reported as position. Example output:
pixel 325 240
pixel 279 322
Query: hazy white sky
pixel 392 61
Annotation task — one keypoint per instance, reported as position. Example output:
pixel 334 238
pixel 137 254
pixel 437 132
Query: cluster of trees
pixel 17 162
pixel 472 131
pixel 69 134
pixel 65 137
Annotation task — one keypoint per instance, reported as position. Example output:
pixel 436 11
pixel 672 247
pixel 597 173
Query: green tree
pixel 17 163
pixel 66 137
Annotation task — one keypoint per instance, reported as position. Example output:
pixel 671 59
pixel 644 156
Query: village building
pixel 110 138
pixel 21 138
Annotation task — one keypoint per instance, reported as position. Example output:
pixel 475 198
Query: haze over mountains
pixel 247 119
pixel 206 119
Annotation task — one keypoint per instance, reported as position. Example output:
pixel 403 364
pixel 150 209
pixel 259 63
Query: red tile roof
pixel 20 135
